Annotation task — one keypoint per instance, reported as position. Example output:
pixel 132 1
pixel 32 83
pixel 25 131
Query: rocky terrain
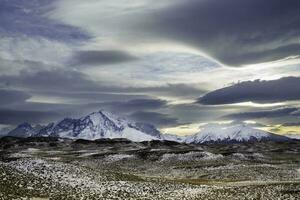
pixel 55 168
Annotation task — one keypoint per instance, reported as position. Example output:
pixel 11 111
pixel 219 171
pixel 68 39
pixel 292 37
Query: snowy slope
pixel 234 133
pixel 293 136
pixel 24 130
pixel 175 138
pixel 99 125
pixel 102 124
pixel 4 131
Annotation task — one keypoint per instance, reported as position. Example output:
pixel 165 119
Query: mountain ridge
pixel 94 126
pixel 102 124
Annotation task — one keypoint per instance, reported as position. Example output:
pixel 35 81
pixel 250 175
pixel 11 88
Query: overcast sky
pixel 176 64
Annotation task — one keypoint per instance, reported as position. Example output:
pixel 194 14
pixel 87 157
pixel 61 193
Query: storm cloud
pixel 12 96
pixel 234 32
pixel 259 91
pixel 291 124
pixel 159 119
pixel 136 105
pixel 166 63
pixel 123 107
pixel 282 112
pixel 19 116
pixel 51 79
pixel 21 17
pixel 78 85
pixel 103 57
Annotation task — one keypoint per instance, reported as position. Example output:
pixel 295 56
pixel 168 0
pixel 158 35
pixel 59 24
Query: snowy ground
pixel 121 170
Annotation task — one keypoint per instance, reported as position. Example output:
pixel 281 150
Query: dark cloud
pixel 28 18
pixel 103 57
pixel 137 110
pixel 74 84
pixel 47 80
pixel 259 91
pixel 136 105
pixel 12 96
pixel 291 124
pixel 282 112
pixel 124 107
pixel 45 107
pixel 155 118
pixel 173 90
pixel 17 116
pixel 93 96
pixel 232 31
pixel 80 94
pixel 195 113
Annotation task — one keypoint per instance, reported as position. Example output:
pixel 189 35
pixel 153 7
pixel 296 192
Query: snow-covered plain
pixel 66 169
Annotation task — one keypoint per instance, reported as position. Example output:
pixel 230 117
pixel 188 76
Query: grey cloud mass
pixel 282 112
pixel 159 119
pixel 23 17
pixel 140 110
pixel 291 124
pixel 12 96
pixel 137 105
pixel 232 31
pixel 128 107
pixel 51 79
pixel 168 63
pixel 259 91
pixel 8 116
pixel 79 85
pixel 103 57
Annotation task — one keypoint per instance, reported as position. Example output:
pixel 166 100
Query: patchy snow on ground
pixel 87 183
pixel 117 157
pixel 191 156
pixel 19 155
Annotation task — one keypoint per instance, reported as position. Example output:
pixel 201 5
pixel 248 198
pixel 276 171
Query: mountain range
pixel 232 133
pixel 94 126
pixel 102 124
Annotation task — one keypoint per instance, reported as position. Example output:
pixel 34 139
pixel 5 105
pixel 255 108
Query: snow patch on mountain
pixel 293 136
pixel 94 126
pixel 191 156
pixel 4 130
pixel 102 124
pixel 24 130
pixel 233 133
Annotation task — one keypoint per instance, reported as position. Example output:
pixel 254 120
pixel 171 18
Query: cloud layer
pixel 12 96
pixel 101 57
pixel 234 32
pixel 282 112
pixel 28 18
pixel 150 61
pixel 259 91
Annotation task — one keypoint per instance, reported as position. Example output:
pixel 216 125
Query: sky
pixel 176 64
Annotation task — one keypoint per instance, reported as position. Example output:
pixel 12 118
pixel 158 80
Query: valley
pixel 56 168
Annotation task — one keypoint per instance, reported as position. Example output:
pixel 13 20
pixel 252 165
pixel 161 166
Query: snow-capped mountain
pixel 98 125
pixel 102 124
pixel 293 136
pixel 25 130
pixel 4 131
pixel 233 133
